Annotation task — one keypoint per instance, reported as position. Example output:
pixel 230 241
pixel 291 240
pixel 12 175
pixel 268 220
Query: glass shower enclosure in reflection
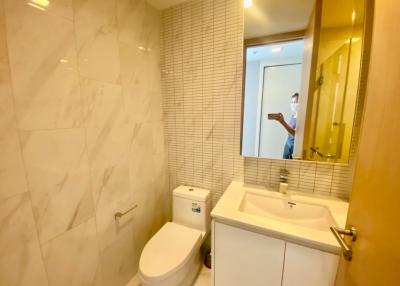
pixel 337 78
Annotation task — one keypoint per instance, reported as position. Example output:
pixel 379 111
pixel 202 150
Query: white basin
pixel 284 209
pixel 259 209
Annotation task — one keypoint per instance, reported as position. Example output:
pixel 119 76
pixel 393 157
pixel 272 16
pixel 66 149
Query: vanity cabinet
pixel 306 266
pixel 242 257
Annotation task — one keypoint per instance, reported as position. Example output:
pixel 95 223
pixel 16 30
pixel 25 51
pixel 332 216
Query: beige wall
pixel 202 80
pixel 81 136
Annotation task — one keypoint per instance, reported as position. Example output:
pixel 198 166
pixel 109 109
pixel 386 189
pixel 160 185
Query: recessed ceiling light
pixel 248 3
pixel 277 49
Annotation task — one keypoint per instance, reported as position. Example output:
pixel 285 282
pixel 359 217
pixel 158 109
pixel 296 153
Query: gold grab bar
pixel 118 215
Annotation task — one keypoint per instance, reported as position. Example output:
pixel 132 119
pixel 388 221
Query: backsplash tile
pixel 305 176
pixel 202 60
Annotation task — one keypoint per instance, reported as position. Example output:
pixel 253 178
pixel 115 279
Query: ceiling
pixel 292 50
pixel 162 4
pixel 339 13
pixel 265 17
pixel 271 17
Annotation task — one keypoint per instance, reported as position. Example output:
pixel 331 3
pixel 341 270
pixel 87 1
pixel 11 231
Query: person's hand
pixel 276 116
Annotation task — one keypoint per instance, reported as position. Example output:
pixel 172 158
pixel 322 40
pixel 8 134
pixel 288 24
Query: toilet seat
pixel 168 250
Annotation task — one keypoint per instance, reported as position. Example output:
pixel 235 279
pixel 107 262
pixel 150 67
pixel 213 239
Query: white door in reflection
pixel 280 83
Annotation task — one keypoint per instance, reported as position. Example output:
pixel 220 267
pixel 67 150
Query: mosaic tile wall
pixel 202 62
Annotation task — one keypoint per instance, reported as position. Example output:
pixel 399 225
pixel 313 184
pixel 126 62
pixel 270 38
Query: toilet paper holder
pixel 118 215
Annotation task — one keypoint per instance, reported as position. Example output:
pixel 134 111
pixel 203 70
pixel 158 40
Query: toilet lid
pixel 167 250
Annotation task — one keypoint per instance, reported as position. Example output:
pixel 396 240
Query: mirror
pixel 303 64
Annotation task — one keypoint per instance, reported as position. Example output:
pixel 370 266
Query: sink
pixel 297 217
pixel 284 209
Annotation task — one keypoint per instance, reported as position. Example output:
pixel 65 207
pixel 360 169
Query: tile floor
pixel 204 279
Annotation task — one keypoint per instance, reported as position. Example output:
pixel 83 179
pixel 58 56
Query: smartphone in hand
pixel 272 116
pixel 275 116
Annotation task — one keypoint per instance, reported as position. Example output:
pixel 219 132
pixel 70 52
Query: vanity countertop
pixel 227 211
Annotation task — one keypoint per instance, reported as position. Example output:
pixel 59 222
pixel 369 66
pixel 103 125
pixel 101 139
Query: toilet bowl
pixel 172 257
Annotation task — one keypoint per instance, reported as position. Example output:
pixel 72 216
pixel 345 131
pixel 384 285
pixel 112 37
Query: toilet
pixel 172 257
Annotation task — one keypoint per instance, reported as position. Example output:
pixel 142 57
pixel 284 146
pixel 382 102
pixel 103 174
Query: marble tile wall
pixel 81 137
pixel 202 62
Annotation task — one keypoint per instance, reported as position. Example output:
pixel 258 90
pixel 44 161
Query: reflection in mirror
pixel 337 76
pixel 273 97
pixel 301 79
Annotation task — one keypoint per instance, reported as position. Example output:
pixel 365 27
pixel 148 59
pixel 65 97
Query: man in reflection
pixel 289 126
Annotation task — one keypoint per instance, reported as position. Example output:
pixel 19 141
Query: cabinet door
pixel 308 267
pixel 246 258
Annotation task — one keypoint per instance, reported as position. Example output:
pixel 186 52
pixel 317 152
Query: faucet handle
pixel 284 174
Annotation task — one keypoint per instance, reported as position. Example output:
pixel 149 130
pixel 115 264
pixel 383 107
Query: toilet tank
pixel 192 207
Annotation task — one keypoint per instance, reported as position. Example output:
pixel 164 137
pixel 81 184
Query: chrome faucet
pixel 284 175
pixel 283 181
